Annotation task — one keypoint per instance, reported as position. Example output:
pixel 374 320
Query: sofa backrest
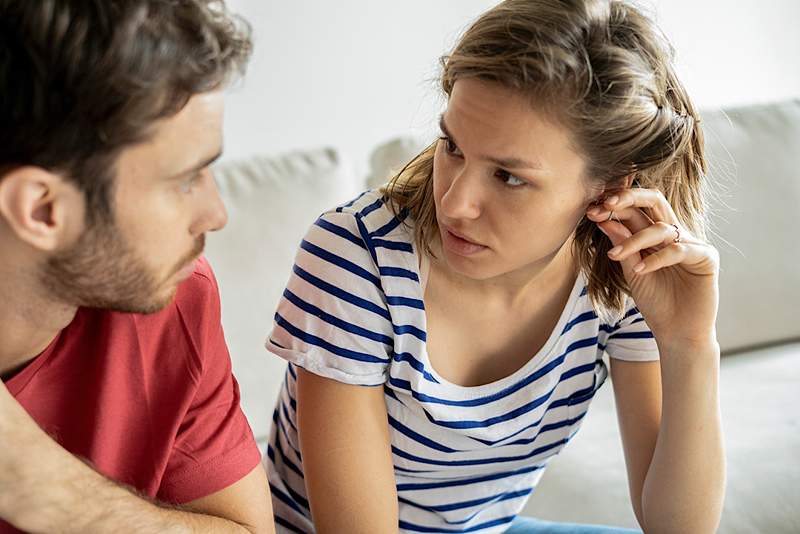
pixel 754 159
pixel 271 203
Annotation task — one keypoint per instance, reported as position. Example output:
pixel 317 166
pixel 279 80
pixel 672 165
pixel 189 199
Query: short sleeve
pixel 630 338
pixel 333 318
pixel 214 446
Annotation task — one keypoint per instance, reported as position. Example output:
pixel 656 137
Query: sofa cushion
pixel 271 202
pixel 390 157
pixel 754 158
pixel 587 482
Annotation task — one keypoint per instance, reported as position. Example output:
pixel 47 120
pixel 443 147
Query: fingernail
pixel 612 200
pixel 593 211
pixel 616 250
pixel 639 267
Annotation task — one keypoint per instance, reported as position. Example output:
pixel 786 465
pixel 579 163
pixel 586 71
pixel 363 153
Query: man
pixel 118 410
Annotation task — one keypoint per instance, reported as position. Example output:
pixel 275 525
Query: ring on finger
pixel 677 234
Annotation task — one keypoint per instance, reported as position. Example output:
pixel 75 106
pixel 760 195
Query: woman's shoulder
pixel 372 218
pixel 363 204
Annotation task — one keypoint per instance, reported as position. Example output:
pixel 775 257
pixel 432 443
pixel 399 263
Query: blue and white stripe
pixel 466 458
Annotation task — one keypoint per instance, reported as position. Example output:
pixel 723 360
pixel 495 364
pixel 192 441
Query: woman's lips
pixel 459 245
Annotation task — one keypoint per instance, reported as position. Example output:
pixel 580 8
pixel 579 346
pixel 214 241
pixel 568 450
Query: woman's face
pixel 508 186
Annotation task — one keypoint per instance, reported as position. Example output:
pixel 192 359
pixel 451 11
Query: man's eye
pixel 188 185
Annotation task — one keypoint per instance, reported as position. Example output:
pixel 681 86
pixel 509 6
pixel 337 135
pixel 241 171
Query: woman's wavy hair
pixel 83 79
pixel 603 70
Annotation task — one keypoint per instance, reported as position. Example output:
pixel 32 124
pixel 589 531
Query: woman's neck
pixel 512 289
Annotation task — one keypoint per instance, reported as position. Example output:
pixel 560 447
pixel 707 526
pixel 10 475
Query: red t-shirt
pixel 149 400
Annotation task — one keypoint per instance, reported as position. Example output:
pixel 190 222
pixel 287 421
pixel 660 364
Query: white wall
pixel 347 73
pixel 735 52
pixel 353 73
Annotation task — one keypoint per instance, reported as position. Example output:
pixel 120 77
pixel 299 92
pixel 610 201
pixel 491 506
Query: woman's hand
pixel 672 274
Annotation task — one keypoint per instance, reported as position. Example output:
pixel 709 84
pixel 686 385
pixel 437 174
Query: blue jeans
pixel 527 525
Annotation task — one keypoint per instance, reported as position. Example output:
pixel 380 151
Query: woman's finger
pixel 655 235
pixel 618 233
pixel 634 218
pixel 697 258
pixel 652 201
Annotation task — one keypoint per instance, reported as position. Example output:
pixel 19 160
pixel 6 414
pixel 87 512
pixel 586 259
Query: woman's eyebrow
pixel 506 162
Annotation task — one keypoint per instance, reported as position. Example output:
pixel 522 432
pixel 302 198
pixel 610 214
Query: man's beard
pixel 102 271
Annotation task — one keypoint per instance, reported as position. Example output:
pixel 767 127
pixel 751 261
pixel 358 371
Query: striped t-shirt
pixel 465 458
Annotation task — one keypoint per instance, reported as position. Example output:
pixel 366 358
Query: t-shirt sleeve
pixel 214 447
pixel 630 338
pixel 333 319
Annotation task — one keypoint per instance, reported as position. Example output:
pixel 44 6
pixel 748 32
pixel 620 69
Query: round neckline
pixel 423 268
pixel 17 383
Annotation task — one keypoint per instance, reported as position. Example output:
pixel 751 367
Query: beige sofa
pixel 755 171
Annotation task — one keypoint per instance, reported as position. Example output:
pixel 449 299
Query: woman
pixel 558 218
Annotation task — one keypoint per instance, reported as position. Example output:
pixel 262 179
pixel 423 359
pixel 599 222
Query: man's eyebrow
pixel 509 163
pixel 201 165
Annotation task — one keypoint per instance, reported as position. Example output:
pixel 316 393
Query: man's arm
pixel 43 488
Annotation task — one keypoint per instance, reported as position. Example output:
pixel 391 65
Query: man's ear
pixel 40 207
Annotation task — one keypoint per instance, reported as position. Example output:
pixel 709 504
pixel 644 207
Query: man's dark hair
pixel 83 79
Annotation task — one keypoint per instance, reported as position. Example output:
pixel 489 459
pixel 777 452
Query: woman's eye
pixel 509 179
pixel 450 147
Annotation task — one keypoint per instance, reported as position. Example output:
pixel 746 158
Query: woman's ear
pixel 626 182
pixel 629 180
